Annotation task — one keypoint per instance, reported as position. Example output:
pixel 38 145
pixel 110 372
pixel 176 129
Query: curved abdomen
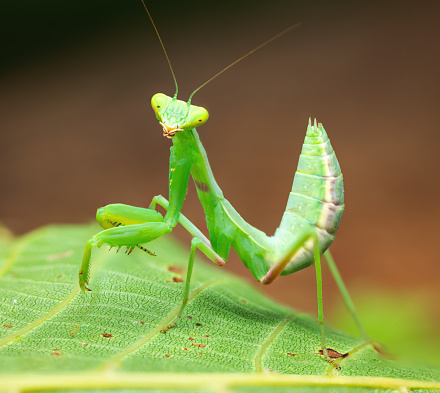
pixel 317 198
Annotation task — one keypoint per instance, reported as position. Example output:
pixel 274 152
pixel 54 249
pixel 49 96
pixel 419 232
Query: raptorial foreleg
pixel 129 236
pixel 124 225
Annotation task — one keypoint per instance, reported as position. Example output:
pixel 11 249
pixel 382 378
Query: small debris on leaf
pixel 333 354
pixel 174 269
pixel 107 335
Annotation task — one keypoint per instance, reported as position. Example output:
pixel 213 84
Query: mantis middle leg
pixel 199 241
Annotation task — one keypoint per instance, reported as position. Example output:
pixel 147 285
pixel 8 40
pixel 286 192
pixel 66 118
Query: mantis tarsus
pixel 307 229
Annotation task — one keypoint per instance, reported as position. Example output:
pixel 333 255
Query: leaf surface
pixel 231 338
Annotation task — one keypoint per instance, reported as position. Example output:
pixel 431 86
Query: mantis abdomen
pixel 317 198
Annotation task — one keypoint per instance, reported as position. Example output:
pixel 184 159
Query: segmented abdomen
pixel 317 198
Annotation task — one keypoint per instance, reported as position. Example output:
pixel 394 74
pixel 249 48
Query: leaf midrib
pixel 109 380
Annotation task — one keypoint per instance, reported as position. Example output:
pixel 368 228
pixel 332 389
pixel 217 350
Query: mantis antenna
pixel 224 69
pixel 243 57
pixel 163 47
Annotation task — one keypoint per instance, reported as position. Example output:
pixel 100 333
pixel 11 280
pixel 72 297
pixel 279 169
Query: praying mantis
pixel 308 226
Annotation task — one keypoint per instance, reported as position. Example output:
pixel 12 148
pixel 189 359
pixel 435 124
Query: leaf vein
pixel 260 353
pixel 158 328
pixel 40 320
pixel 12 258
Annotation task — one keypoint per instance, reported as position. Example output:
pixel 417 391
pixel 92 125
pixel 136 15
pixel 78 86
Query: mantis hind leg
pixel 345 295
pixel 282 262
pixel 278 267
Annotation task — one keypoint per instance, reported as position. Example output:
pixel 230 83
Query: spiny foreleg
pixel 125 226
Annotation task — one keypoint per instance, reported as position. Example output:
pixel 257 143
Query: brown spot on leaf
pixel 200 353
pixel 291 354
pixel 84 344
pixel 333 354
pixel 185 349
pixel 207 335
pixel 199 345
pixel 189 317
pixel 174 269
pixel 56 354
pixel 167 356
pixel 7 326
pixel 198 324
pixel 107 335
pixel 59 276
pixel 141 322
pixel 191 339
pixel 177 279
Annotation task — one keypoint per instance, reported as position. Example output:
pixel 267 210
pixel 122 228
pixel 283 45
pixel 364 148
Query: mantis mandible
pixel 308 226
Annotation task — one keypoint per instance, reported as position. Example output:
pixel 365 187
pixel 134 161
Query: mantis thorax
pixel 176 116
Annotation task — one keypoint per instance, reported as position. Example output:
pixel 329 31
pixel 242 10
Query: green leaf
pixel 231 338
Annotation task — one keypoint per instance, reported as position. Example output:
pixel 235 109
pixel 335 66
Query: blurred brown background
pixel 77 131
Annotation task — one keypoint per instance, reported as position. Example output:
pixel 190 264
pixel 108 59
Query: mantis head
pixel 177 116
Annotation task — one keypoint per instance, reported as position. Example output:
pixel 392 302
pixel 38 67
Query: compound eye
pixel 159 102
pixel 197 117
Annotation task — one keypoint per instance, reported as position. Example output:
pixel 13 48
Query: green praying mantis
pixel 308 227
